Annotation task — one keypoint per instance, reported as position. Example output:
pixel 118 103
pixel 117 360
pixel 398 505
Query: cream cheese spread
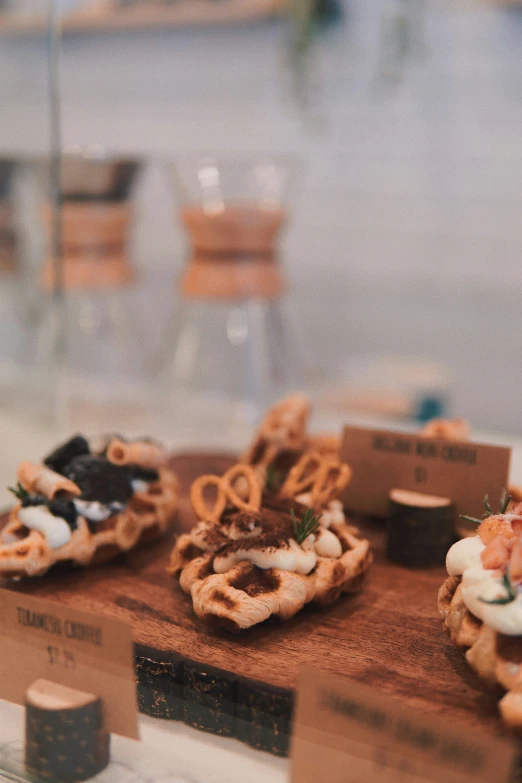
pixel 95 511
pixel 55 529
pixel 139 485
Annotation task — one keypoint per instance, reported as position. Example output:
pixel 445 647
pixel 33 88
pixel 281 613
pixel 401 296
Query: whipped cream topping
pixel 95 511
pixel 55 529
pixel 139 485
pixel 285 555
pixel 327 544
pixel 333 514
pixel 480 585
pixel 290 558
pixel 465 554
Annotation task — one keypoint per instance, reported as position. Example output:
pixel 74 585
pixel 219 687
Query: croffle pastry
pixel 85 506
pixel 480 603
pixel 259 553
pixel 283 438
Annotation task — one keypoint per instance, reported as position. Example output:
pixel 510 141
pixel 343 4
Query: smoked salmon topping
pixel 497 553
pixel 515 563
pixel 494 526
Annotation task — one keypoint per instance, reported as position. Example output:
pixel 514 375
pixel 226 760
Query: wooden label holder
pixel 384 460
pixel 73 671
pixel 347 732
pixel 65 735
pixel 420 483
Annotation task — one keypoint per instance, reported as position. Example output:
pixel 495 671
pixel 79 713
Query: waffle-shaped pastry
pixel 281 435
pixel 481 603
pixel 255 555
pixel 283 438
pixel 85 507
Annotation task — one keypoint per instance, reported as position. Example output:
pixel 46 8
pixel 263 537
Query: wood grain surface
pixel 389 636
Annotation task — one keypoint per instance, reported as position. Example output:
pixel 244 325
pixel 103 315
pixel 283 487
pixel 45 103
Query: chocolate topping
pixel 276 531
pixel 145 474
pixel 66 452
pixel 213 538
pixel 99 480
pixel 243 521
pixel 255 581
pixel 65 509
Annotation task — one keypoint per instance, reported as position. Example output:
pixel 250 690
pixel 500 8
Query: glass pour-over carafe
pixel 233 348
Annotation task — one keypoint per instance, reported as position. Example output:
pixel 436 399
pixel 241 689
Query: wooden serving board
pixel 389 636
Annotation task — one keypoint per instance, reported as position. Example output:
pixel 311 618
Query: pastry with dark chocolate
pixel 86 507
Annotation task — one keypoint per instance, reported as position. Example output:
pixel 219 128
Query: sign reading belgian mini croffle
pixel 44 639
pixel 345 732
pixel 382 460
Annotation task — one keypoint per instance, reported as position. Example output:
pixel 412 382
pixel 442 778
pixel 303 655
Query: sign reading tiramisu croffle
pixel 382 460
pixel 45 639
pixel 347 732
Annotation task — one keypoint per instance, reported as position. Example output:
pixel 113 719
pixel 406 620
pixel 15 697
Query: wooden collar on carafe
pixel 94 240
pixel 233 254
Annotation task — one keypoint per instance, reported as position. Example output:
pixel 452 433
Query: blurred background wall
pixel 406 234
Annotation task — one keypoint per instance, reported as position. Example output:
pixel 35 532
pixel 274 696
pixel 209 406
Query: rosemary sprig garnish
pixel 510 590
pixel 19 492
pixel 308 525
pixel 274 479
pixel 505 500
pixel 471 519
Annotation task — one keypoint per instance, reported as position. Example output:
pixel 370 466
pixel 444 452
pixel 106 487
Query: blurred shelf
pixel 185 13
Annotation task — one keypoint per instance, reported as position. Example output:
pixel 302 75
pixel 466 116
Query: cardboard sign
pixel 383 460
pixel 41 638
pixel 345 732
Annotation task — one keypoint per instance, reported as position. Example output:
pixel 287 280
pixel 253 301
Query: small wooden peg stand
pixel 64 733
pixel 420 528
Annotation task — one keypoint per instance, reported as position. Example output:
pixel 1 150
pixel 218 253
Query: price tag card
pixel 346 732
pixel 382 460
pixel 42 638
